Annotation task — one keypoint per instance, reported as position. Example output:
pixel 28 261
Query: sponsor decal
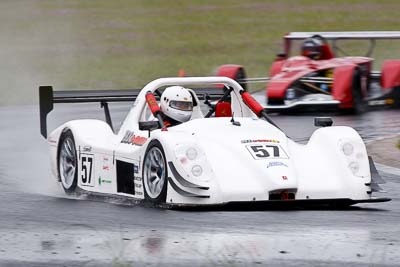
pixel 138 185
pixel 284 177
pixel 137 179
pixel 275 164
pixel 131 138
pixel 390 101
pixel 104 181
pixel 151 101
pixel 52 141
pixel 138 193
pixel 105 159
pixel 127 137
pixel 106 168
pixel 139 140
pixel 259 141
pixel 376 102
pixel 135 168
pixel 87 149
pixel 224 111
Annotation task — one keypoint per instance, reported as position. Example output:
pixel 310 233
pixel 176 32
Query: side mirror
pixel 323 121
pixel 281 55
pixel 148 125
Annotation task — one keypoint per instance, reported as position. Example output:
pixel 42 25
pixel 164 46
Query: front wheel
pixel 155 173
pixel 67 162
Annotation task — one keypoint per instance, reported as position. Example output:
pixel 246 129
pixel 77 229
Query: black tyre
pixel 155 173
pixel 67 162
pixel 240 76
pixel 359 105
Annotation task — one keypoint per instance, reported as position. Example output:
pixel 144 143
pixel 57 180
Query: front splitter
pixel 279 204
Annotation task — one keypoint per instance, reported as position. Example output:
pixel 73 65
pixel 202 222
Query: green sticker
pixel 104 181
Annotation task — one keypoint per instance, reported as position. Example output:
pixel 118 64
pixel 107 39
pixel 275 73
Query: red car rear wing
pixel 366 35
pixel 348 35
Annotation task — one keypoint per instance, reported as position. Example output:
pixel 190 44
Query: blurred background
pixel 106 44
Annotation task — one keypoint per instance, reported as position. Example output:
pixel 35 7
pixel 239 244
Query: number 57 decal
pixel 265 151
pixel 87 170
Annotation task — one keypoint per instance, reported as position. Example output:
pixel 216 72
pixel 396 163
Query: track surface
pixel 40 226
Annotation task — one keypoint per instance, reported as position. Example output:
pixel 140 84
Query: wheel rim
pixel 67 162
pixel 154 172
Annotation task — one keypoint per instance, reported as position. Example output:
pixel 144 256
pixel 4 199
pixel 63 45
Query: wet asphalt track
pixel 39 226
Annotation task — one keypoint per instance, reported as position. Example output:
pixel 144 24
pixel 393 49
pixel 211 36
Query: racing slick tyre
pixel 240 76
pixel 235 72
pixel 67 162
pixel 359 105
pixel 155 173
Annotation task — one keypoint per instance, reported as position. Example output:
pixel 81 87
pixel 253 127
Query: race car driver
pixel 176 105
pixel 312 48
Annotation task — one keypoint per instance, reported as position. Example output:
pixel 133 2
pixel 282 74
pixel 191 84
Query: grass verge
pixel 127 43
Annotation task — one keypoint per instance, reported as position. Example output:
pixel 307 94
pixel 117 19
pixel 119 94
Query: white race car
pixel 209 160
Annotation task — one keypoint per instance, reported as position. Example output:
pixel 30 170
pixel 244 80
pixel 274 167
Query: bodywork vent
pixel 285 194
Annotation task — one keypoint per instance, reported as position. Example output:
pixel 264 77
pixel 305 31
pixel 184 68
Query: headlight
pixel 290 94
pixel 186 153
pixel 191 153
pixel 354 167
pixel 197 170
pixel 347 149
pixel 355 156
pixel 193 161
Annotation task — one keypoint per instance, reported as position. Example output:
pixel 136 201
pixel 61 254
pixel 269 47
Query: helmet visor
pixel 181 105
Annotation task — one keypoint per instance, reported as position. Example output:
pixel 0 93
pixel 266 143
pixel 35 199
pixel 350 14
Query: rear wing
pixel 367 35
pixel 372 36
pixel 48 97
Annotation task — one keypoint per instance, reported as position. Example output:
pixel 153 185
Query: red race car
pixel 317 79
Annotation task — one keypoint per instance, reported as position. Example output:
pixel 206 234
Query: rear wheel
pixel 155 173
pixel 67 162
pixel 235 72
pixel 359 105
pixel 240 76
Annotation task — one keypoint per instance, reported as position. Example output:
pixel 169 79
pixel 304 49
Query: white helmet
pixel 177 103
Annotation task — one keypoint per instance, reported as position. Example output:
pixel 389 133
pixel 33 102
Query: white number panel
pixel 267 151
pixel 86 176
